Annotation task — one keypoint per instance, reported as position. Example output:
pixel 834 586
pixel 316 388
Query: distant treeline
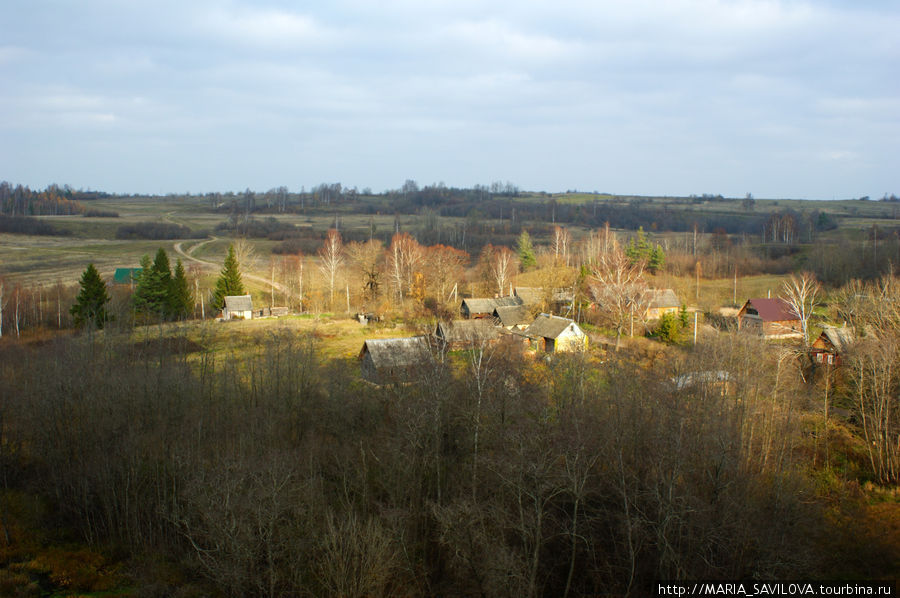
pixel 52 201
pixel 25 225
pixel 98 213
pixel 154 231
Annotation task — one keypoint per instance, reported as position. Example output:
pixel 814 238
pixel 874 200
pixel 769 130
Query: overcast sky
pixel 776 98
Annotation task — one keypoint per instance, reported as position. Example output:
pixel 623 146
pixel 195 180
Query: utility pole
pixel 734 294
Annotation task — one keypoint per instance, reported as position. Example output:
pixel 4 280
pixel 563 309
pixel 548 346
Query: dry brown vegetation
pixel 267 468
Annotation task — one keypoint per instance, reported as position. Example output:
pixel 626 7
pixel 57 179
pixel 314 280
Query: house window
pixel 818 358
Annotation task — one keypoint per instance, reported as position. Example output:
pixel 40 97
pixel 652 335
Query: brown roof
pixel 840 338
pixel 772 310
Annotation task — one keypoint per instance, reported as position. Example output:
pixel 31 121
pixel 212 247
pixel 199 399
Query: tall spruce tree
pixel 90 304
pixel 153 294
pixel 229 282
pixel 525 249
pixel 140 299
pixel 181 301
pixel 656 260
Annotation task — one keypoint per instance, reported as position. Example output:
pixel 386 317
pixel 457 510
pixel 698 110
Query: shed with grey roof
pixel 484 307
pixel 465 334
pixel 237 307
pixel 394 360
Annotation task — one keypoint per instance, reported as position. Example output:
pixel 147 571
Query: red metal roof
pixel 773 310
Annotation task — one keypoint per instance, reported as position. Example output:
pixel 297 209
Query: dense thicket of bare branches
pixel 280 474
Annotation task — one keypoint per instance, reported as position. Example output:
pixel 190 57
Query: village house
pixel 661 301
pixel 513 317
pixel 466 334
pixel 554 334
pixel 830 346
pixel 394 360
pixel 770 318
pixel 237 307
pixel 127 276
pixel 484 308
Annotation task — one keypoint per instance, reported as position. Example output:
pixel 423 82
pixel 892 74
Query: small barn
pixel 513 317
pixel 484 308
pixel 770 318
pixel 394 360
pixel 830 346
pixel 661 301
pixel 237 307
pixel 555 334
pixel 466 334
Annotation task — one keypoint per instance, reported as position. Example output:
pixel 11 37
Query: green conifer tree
pixel 656 260
pixel 141 298
pixel 153 294
pixel 525 249
pixel 90 304
pixel 181 301
pixel 229 282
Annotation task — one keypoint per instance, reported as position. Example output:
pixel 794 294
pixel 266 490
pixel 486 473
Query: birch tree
pixel 619 289
pixel 802 293
pixel 332 258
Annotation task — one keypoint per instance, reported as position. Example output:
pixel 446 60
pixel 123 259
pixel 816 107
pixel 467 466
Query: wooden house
pixel 660 302
pixel 513 317
pixel 394 360
pixel 770 318
pixel 237 307
pixel 484 308
pixel 830 346
pixel 554 334
pixel 466 334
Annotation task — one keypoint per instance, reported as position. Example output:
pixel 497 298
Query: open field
pixel 47 260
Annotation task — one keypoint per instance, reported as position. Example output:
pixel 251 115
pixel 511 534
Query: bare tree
pixel 368 260
pixel 245 254
pixel 801 293
pixel 619 289
pixel 875 364
pixel 499 263
pixel 405 257
pixel 332 255
pixel 561 242
pixel 445 264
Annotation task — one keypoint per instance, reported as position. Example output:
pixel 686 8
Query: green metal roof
pixel 126 275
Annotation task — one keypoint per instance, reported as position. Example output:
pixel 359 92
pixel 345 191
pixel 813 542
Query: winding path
pixel 187 255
